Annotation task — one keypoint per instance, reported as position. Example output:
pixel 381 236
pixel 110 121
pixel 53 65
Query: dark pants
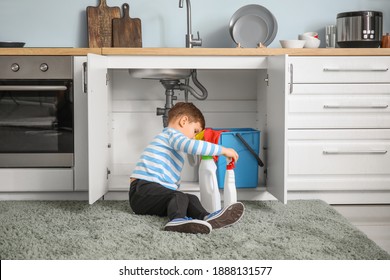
pixel 149 198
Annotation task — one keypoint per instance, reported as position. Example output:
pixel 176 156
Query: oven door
pixel 36 123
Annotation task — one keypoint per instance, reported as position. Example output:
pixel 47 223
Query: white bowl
pixel 311 34
pixel 292 44
pixel 305 37
pixel 312 43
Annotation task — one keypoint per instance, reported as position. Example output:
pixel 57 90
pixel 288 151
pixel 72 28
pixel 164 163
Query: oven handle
pixel 32 88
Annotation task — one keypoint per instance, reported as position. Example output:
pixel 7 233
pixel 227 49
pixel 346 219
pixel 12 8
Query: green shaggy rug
pixel 109 230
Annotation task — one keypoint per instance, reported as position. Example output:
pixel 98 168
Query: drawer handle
pixel 369 152
pixel 84 77
pixel 291 78
pixel 31 88
pixel 356 106
pixel 355 70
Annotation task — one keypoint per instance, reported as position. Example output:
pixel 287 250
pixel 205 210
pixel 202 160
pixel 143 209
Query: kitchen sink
pixel 171 81
pixel 160 74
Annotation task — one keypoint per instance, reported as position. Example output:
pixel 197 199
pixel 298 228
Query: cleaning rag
pixel 212 136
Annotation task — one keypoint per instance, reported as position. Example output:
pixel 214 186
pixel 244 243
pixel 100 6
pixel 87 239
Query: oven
pixel 36 112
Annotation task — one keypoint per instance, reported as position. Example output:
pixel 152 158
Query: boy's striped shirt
pixel 163 159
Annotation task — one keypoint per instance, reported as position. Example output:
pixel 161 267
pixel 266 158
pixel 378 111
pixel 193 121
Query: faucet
pixel 190 41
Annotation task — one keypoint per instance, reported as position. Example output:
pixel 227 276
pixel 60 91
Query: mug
pixel 386 41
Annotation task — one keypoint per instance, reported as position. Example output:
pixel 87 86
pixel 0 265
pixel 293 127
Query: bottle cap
pixel 207 157
pixel 231 165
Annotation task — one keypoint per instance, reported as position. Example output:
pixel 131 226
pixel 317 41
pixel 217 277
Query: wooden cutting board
pixel 126 31
pixel 99 20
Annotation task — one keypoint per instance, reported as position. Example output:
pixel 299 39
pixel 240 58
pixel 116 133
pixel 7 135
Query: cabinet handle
pixel 84 77
pixel 355 70
pixel 31 88
pixel 291 78
pixel 369 152
pixel 356 106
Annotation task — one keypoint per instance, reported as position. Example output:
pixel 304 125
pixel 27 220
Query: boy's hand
pixel 230 153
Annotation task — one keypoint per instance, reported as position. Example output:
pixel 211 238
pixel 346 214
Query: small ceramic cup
pixel 311 34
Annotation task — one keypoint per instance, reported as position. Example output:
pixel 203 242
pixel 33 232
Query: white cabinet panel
pixel 98 122
pixel 357 159
pixel 339 111
pixel 36 179
pixel 341 89
pixel 362 183
pixel 348 69
pixel 339 157
pixel 339 104
pixel 276 132
pixel 185 62
pixel 80 127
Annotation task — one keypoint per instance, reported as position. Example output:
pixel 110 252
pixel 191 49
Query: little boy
pixel 156 178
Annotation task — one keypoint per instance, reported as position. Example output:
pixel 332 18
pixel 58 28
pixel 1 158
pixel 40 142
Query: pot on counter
pixel 361 29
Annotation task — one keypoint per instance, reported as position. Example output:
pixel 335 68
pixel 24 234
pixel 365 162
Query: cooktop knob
pixel 15 67
pixel 44 67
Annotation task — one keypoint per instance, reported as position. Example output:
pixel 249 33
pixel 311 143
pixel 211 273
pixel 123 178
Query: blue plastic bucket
pixel 246 170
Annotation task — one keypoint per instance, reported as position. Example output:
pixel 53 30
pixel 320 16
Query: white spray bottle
pixel 229 188
pixel 209 192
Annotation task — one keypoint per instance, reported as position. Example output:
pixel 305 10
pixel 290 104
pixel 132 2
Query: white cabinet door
pixel 80 126
pixel 276 127
pixel 97 126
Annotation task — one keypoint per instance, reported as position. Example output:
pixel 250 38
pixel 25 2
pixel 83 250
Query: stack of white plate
pixel 251 25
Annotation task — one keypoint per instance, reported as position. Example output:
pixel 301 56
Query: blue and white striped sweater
pixel 163 159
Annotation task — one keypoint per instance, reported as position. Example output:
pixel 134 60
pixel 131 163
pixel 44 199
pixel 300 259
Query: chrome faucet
pixel 190 40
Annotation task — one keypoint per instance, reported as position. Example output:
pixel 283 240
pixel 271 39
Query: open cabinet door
pixel 97 126
pixel 277 127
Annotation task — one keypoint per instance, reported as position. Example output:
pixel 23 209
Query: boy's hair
pixel 186 109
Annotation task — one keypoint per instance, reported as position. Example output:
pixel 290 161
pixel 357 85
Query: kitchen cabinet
pixel 270 120
pixel 324 123
pixel 323 116
pixel 339 128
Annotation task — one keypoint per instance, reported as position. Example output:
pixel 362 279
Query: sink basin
pixel 160 74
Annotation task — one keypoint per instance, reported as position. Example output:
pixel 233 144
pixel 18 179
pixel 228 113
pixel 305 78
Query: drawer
pixel 352 69
pixel 333 152
pixel 36 179
pixel 340 89
pixel 339 111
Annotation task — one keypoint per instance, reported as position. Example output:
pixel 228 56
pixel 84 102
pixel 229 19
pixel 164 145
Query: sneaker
pixel 188 225
pixel 227 216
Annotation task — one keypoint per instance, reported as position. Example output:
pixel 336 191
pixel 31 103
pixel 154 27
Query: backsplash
pixel 55 23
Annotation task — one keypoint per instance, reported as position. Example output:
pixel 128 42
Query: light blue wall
pixel 62 23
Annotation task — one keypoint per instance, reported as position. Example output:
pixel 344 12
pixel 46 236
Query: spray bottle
pixel 229 188
pixel 209 192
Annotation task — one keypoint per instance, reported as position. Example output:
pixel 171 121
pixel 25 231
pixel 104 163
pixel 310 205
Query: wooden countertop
pixel 49 51
pixel 245 52
pixel 197 51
